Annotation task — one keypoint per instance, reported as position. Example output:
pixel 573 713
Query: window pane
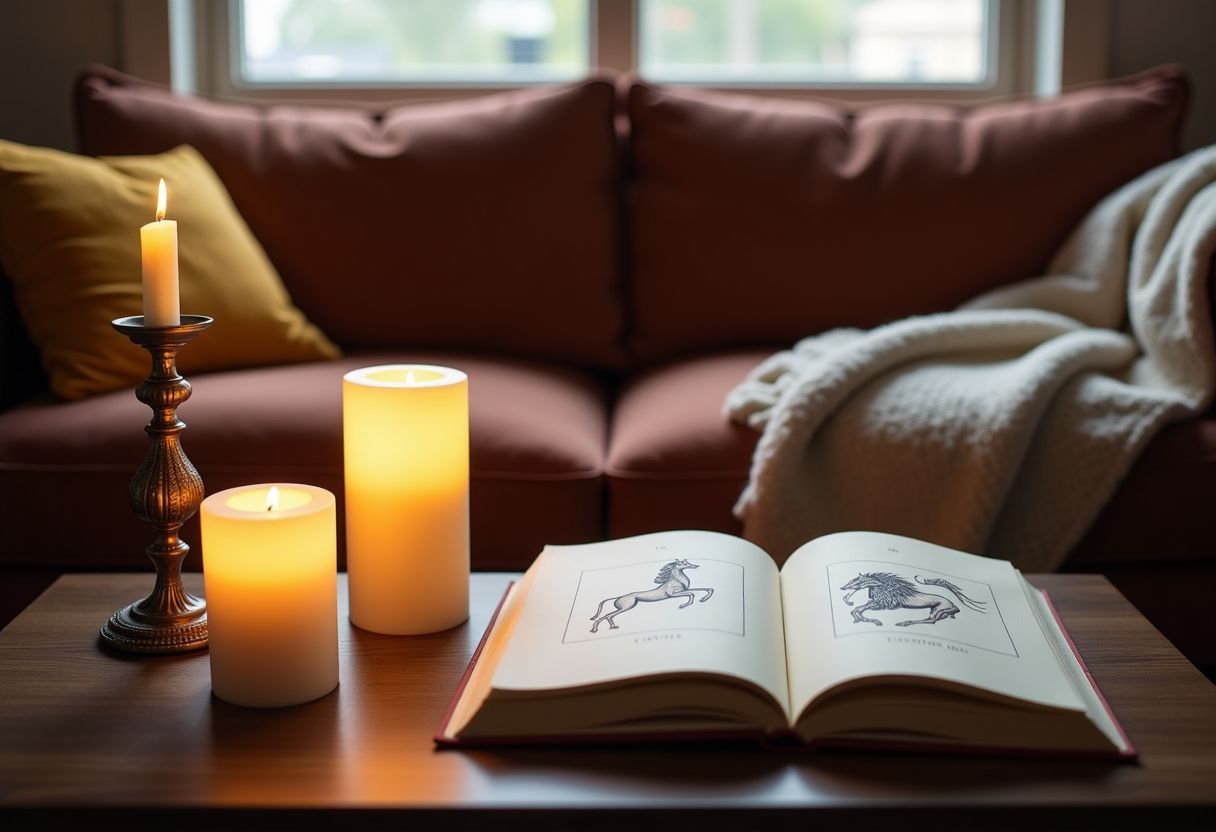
pixel 816 41
pixel 412 41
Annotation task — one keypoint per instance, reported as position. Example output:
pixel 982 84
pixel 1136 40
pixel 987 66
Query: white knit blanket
pixel 1004 426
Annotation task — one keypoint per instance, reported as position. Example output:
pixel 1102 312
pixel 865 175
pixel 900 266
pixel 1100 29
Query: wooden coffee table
pixel 89 738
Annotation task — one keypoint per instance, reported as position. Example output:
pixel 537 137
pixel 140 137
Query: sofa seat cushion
pixel 675 461
pixel 537 445
pixel 759 220
pixel 1163 507
pixel 487 223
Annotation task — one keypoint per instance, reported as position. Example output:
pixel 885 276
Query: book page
pixel 683 601
pixel 1099 712
pixel 864 604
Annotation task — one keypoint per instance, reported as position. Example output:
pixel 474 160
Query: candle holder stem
pixel 166 491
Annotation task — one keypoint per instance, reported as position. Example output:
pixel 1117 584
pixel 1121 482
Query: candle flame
pixel 160 201
pixel 272 498
pixel 409 377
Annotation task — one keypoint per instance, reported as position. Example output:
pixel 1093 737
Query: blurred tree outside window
pixel 412 41
pixel 816 41
pixel 848 42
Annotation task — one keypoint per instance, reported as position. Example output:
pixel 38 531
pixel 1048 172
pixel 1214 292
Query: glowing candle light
pixel 270 569
pixel 158 250
pixel 406 443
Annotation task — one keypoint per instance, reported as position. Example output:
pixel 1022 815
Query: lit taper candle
pixel 158 250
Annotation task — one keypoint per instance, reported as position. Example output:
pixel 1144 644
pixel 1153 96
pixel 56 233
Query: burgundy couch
pixel 605 259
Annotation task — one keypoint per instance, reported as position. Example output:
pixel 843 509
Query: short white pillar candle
pixel 270 573
pixel 406 450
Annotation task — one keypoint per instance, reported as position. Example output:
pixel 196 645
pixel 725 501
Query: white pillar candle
pixel 406 442
pixel 270 573
pixel 158 251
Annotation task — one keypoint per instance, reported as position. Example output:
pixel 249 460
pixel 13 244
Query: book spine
pixel 442 737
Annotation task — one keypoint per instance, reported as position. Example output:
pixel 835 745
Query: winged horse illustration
pixel 889 591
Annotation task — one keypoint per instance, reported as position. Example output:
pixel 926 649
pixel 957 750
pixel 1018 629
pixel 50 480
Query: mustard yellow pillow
pixel 69 241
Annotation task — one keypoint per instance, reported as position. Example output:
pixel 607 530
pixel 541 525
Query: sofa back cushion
pixel 760 221
pixel 486 223
pixel 70 243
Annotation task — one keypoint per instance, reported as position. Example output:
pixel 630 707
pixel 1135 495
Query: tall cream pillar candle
pixel 158 251
pixel 406 441
pixel 270 571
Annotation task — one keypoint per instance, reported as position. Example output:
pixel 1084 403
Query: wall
pixel 42 47
pixel 1144 34
pixel 43 43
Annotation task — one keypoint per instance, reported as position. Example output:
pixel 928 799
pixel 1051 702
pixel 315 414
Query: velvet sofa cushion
pixel 674 460
pixel 1162 511
pixel 760 221
pixel 69 242
pixel 482 223
pixel 537 442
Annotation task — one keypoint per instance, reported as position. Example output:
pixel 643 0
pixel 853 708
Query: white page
pixel 1086 690
pixel 993 643
pixel 736 630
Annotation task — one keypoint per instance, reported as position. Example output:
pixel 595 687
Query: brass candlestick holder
pixel 166 492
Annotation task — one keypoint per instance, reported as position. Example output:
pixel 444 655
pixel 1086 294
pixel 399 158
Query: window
pixel 855 42
pixel 393 49
pixel 369 42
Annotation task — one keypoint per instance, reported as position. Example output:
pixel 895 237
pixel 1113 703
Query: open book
pixel 861 638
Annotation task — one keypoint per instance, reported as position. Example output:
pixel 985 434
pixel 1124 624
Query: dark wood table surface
pixel 91 738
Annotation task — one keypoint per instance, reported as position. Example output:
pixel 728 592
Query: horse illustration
pixel 889 591
pixel 673 583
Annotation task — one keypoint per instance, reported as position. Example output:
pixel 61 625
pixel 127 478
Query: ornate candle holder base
pixel 133 630
pixel 166 492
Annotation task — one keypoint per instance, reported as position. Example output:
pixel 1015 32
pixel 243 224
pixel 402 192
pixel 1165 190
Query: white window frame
pixel 1041 46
